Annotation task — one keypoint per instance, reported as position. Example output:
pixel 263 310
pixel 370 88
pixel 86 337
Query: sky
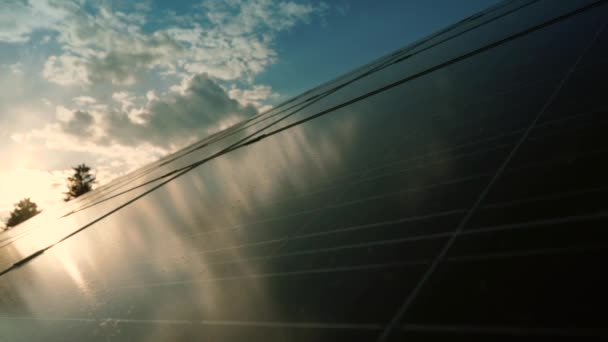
pixel 118 84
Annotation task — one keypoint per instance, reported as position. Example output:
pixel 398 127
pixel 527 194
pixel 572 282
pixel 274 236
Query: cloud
pixel 18 19
pixel 119 68
pixel 66 70
pixel 256 96
pixel 79 125
pixel 227 40
pixel 125 99
pixel 106 46
pixel 84 100
pixel 203 108
pixel 151 95
pixel 241 17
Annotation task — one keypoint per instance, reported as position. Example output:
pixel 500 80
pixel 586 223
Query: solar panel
pixel 452 189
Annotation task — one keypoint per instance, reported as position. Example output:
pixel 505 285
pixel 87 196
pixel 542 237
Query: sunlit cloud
pixel 255 96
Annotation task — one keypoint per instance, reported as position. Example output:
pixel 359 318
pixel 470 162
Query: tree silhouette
pixel 24 210
pixel 80 183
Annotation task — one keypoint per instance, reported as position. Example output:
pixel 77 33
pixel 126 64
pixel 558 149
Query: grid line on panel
pixel 417 237
pixel 388 265
pixel 458 329
pixel 439 152
pixel 415 262
pixel 398 317
pixel 349 203
pixel 503 330
pixel 548 197
pixel 538 223
pixel 329 232
pixel 528 252
pixel 284 241
pixel 438 184
pixel 326 270
pixel 232 323
pixel 329 249
pixel 538 252
pixel 338 248
pixel 474 257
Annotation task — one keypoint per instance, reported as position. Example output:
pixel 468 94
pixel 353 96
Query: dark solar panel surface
pixel 453 190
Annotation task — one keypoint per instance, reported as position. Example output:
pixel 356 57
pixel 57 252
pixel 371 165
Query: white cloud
pixel 236 41
pixel 151 95
pixel 256 96
pixel 201 107
pixel 18 19
pixel 84 100
pixel 66 70
pixel 125 99
pixel 240 17
pixel 63 114
pixel 182 87
pixel 138 116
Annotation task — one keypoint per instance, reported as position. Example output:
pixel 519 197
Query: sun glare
pixel 43 187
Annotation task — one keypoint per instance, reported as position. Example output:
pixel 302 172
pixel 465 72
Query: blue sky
pixel 117 84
